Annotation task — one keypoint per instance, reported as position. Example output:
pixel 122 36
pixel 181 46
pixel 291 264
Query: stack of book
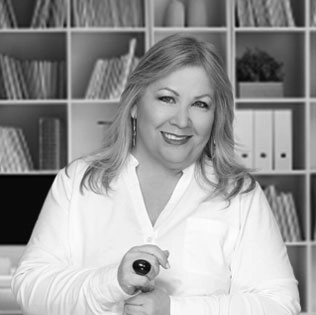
pixel 107 13
pixel 52 149
pixel 12 79
pixel 7 15
pixel 14 151
pixel 109 75
pixel 264 13
pixel 49 13
pixel 284 210
pixel 31 79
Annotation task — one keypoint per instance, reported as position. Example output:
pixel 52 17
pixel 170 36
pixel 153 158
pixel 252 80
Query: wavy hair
pixel 167 55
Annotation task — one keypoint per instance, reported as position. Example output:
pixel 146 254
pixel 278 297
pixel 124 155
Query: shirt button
pixel 149 239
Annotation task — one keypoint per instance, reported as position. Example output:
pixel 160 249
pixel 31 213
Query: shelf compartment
pixel 88 47
pixel 107 13
pixel 294 184
pixel 26 116
pixel 24 207
pixel 50 15
pixel 298 130
pixel 42 58
pixel 218 39
pixel 278 45
pixel 297 9
pixel 93 117
pixel 216 12
pixel 312 137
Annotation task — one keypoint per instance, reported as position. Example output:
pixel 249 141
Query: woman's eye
pixel 201 104
pixel 166 99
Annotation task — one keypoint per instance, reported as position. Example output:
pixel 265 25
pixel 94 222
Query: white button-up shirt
pixel 225 259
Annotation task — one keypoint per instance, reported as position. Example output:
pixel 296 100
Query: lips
pixel 174 139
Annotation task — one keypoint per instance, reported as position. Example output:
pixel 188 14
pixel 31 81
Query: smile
pixel 174 139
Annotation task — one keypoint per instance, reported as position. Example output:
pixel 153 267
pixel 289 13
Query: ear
pixel 134 111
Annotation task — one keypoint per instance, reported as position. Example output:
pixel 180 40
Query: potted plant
pixel 259 74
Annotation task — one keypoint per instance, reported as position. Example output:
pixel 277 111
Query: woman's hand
pixel 129 281
pixel 155 302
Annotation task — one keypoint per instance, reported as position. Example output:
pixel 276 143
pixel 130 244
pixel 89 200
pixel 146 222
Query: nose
pixel 181 117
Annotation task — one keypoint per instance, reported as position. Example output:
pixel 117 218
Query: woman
pixel 166 188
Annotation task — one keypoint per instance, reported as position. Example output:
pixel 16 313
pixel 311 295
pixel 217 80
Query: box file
pixel 283 139
pixel 243 129
pixel 263 133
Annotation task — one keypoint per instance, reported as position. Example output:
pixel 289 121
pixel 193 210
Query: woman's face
pixel 174 118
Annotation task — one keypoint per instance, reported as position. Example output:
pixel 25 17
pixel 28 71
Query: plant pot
pixel 260 89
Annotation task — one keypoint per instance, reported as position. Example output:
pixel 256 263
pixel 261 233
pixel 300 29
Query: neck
pixel 151 168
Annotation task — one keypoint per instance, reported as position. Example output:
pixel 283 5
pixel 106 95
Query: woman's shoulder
pixel 75 168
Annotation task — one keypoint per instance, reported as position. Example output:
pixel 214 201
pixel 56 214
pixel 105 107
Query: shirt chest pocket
pixel 203 250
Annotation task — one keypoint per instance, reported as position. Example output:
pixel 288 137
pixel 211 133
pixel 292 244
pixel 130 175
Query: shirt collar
pixel 188 171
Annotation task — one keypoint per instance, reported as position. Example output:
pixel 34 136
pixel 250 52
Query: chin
pixel 178 163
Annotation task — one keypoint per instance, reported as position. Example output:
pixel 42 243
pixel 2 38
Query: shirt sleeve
pixel 46 281
pixel 262 278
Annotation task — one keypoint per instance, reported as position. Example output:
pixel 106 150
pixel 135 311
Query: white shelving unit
pixel 80 47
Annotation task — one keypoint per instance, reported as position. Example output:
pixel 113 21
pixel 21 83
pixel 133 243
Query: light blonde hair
pixel 169 54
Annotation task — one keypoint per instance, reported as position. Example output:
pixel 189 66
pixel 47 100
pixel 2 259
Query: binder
pixel 243 130
pixel 283 139
pixel 263 130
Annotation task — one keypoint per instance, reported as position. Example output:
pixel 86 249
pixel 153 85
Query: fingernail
pixel 168 265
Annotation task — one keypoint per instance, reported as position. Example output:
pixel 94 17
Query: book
pixel 9 12
pixel 109 75
pixel 7 75
pixel 14 154
pixel 244 136
pixel 293 220
pixel 282 135
pixel 263 137
pixel 51 143
pixel 36 13
pixel 3 94
pixel 288 13
pixel 283 207
pixel 107 13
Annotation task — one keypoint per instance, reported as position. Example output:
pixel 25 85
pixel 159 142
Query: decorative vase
pixel 175 14
pixel 260 89
pixel 196 13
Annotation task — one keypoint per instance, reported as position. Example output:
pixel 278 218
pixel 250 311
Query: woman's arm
pixel 47 280
pixel 262 280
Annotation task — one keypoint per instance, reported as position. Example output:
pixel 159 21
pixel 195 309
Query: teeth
pixel 174 137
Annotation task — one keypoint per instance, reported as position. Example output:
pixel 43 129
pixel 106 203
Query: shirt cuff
pixel 107 287
pixel 175 306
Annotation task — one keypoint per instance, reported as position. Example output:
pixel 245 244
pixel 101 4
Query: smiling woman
pixel 174 120
pixel 166 191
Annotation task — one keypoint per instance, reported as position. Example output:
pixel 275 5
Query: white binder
pixel 263 126
pixel 243 131
pixel 283 139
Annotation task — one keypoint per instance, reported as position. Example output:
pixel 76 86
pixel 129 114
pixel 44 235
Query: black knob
pixel 141 267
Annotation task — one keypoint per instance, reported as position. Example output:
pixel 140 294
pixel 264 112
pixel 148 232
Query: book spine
pixel 49 143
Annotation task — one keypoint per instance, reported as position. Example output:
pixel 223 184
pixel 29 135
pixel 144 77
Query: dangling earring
pixel 134 132
pixel 213 148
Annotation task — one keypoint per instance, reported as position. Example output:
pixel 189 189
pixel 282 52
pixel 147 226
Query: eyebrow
pixel 176 93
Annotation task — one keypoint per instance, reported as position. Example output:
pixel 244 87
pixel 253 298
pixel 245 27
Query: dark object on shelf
pixel 141 267
pixel 256 65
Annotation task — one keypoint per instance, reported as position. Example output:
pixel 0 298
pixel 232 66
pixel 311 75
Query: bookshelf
pixel 70 34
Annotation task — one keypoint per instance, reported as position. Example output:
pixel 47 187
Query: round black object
pixel 141 267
